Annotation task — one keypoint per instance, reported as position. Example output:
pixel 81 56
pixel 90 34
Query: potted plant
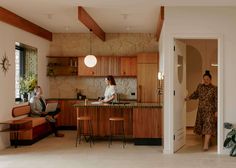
pixel 27 85
pixel 230 141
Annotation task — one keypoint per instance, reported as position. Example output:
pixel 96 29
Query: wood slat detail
pixel 89 22
pixel 18 21
pixel 147 123
pixel 160 23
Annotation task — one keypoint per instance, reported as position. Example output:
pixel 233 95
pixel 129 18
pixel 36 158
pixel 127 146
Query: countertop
pixel 90 99
pixel 122 104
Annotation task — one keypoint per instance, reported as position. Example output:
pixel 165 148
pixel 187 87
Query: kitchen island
pixel 142 120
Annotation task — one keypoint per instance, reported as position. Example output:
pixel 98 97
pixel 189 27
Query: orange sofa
pixel 39 126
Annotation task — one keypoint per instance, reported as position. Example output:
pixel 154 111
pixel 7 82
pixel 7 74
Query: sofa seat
pixel 40 127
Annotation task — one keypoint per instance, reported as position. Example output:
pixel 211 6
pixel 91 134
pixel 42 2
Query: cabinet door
pixel 67 117
pixel 147 83
pixel 83 70
pixel 108 65
pixel 114 66
pixel 62 66
pixel 128 66
pixel 147 123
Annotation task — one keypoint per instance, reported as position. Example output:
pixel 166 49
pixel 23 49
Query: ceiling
pixel 113 16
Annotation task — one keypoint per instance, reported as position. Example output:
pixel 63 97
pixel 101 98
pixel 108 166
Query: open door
pixel 179 94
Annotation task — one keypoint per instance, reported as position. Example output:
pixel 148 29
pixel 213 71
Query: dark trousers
pixel 52 124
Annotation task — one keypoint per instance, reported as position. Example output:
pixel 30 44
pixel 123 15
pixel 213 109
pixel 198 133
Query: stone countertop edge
pixel 61 99
pixel 90 99
pixel 131 105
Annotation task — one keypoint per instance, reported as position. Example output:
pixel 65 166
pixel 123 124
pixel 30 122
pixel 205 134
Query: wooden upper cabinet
pixel 109 65
pixel 128 66
pixel 83 70
pixel 62 66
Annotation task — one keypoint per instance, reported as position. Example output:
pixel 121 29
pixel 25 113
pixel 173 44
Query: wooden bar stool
pixel 81 120
pixel 112 122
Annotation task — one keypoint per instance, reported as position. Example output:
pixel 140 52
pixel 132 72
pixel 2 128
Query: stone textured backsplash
pixel 92 87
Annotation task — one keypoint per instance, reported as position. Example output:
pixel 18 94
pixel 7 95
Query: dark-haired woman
pixel 205 124
pixel 110 92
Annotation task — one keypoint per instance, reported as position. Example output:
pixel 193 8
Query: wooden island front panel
pixel 143 121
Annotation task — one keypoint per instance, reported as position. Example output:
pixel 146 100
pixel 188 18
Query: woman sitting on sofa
pixel 38 107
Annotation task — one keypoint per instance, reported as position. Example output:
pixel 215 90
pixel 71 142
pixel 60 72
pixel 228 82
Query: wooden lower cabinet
pixel 147 123
pixel 67 117
pixel 100 120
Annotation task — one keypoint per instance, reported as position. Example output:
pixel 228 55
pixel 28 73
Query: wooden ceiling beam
pixel 18 21
pixel 160 23
pixel 88 21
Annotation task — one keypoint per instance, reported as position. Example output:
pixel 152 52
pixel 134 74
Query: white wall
pixel 8 36
pixel 206 22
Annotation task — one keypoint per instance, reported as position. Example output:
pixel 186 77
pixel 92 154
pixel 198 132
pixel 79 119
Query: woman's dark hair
pixel 207 73
pixel 111 79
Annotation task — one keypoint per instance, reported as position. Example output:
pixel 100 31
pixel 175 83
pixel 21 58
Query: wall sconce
pixel 90 60
pixel 160 77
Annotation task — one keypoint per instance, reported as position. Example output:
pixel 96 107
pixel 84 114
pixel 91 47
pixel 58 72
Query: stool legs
pixel 111 133
pixel 124 140
pixel 80 132
pixel 110 137
pixel 91 139
pixel 77 133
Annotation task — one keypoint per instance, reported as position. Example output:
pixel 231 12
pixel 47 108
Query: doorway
pixel 192 58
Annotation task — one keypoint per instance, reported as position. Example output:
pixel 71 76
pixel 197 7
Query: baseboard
pixel 67 127
pixel 148 141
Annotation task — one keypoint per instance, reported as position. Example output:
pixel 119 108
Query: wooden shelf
pixel 62 66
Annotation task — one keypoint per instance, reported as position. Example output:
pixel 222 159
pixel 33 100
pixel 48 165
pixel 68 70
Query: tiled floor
pixel 62 153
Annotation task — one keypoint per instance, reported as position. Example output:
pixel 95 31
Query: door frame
pixel 169 88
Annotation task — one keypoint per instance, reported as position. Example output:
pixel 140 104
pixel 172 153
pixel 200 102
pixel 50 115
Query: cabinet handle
pixel 140 93
pixel 93 72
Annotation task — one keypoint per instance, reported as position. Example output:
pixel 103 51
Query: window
pixel 25 66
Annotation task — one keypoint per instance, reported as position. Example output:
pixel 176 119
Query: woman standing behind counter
pixel 110 92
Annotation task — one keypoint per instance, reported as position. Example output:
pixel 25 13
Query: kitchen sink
pixel 124 103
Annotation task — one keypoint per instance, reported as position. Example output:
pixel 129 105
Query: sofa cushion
pixel 20 110
pixel 36 120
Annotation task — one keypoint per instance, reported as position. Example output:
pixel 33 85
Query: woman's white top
pixel 109 92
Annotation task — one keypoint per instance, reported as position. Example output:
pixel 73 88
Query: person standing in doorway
pixel 205 124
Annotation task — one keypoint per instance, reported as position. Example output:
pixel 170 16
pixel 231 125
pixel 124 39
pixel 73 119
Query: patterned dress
pixel 207 106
